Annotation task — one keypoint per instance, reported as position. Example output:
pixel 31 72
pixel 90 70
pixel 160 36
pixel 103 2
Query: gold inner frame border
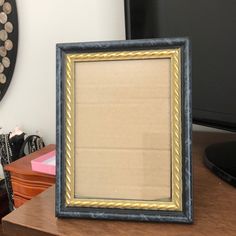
pixel 176 150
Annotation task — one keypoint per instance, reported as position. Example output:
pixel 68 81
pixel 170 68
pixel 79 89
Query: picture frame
pixel 124 130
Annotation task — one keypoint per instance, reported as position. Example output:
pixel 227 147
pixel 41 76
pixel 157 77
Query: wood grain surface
pixel 214 209
pixel 27 183
pixel 23 165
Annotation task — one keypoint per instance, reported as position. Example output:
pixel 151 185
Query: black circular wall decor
pixel 8 43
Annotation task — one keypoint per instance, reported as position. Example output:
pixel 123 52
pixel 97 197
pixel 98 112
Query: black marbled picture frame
pixel 70 204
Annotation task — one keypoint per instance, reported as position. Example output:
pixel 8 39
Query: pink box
pixel 45 163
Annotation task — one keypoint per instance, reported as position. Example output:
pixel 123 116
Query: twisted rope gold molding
pixel 69 109
pixel 176 201
pixel 176 131
pixel 128 204
pixel 125 55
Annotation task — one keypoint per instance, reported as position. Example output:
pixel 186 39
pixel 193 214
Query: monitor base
pixel 221 160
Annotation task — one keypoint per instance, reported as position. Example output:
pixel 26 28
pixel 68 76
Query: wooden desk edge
pixel 11 167
pixel 12 228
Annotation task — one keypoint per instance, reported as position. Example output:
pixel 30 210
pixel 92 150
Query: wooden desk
pixel 25 182
pixel 214 208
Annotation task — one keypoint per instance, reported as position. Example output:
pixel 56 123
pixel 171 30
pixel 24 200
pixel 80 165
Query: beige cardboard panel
pixel 125 94
pixel 122 81
pixel 122 129
pixel 137 73
pixel 124 174
pixel 126 126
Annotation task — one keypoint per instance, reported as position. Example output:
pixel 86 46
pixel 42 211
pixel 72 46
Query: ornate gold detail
pixel 176 199
pixel 176 130
pixel 69 148
pixel 126 55
pixel 124 204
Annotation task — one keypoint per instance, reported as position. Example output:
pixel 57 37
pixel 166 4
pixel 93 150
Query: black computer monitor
pixel 211 27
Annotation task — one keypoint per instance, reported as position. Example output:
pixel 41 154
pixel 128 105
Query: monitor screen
pixel 211 27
